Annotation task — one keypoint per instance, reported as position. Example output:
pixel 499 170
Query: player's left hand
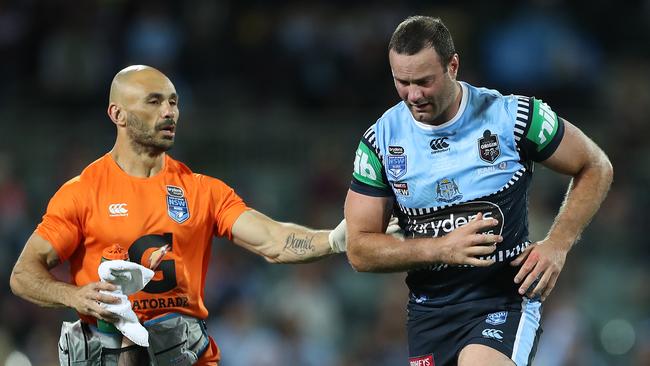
pixel 542 263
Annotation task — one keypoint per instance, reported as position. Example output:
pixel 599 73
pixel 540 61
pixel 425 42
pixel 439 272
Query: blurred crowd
pixel 274 97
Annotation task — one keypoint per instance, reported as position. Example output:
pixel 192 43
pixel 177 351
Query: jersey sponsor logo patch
pixel 497 318
pixel 445 221
pixel 395 150
pixel 439 145
pixel 490 169
pixel 488 147
pixel 175 191
pixel 117 209
pixel 543 125
pixel 177 209
pixel 396 165
pixel 492 333
pixel 447 190
pixel 426 360
pixel 401 188
pixel 367 167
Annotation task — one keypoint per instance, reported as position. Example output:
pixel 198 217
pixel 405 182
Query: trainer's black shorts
pixel 436 335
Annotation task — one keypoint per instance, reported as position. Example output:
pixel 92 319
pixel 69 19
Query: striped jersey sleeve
pixel 369 177
pixel 538 130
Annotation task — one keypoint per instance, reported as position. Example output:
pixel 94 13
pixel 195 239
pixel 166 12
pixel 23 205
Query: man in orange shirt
pixel 137 196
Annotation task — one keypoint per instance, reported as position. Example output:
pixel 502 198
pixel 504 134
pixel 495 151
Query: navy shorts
pixel 436 335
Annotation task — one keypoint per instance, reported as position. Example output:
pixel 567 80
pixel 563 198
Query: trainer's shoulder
pixel 209 181
pixel 73 185
pixel 177 167
pixel 89 175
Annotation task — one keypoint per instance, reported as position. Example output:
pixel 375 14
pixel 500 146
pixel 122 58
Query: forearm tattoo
pixel 298 245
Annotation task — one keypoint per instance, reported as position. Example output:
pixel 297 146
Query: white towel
pixel 130 278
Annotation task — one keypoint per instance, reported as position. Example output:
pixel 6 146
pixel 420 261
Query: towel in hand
pixel 130 278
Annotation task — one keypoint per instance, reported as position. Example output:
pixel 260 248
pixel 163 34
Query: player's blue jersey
pixel 442 176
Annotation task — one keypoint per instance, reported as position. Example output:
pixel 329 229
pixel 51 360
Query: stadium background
pixel 274 97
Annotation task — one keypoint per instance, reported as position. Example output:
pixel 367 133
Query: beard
pixel 145 139
pixel 436 107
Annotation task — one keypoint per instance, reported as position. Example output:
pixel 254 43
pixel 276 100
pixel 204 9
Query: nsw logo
pixel 177 209
pixel 117 209
pixel 497 318
pixel 492 333
pixel 396 165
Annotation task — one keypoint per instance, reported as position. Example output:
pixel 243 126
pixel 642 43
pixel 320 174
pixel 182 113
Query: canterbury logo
pixel 492 333
pixel 117 209
pixel 439 143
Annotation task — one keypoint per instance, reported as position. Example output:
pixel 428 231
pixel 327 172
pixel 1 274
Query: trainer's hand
pixel 465 243
pixel 542 263
pixel 394 229
pixel 88 299
pixel 338 236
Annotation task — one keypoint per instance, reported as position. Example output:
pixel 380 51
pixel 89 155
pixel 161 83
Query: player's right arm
pixel 370 250
pixel 31 279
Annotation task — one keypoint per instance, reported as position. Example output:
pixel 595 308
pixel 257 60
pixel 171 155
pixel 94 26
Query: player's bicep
pixel 38 250
pixel 574 152
pixel 367 214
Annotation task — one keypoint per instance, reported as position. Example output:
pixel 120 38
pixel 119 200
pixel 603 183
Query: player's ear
pixel 453 66
pixel 116 114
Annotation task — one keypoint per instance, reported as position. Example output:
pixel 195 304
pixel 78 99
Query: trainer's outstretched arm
pixel 280 242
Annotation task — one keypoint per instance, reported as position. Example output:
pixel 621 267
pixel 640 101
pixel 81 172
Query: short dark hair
pixel 417 32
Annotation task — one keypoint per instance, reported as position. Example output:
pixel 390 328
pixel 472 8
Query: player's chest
pixel 443 168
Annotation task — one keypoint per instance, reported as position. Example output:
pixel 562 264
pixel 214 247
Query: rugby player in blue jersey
pixel 454 163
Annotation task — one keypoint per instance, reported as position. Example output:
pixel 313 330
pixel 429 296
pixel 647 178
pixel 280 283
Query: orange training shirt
pixel 183 210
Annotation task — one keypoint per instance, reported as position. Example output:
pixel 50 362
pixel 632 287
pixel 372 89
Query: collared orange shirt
pixel 176 207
